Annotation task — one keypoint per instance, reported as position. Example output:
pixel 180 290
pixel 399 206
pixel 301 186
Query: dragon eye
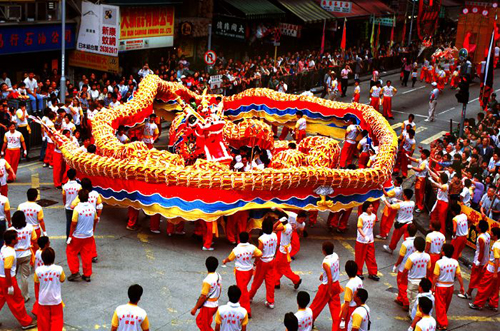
pixel 192 119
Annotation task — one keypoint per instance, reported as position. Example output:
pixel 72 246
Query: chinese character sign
pixel 229 27
pixel 99 29
pixel 337 6
pixel 290 30
pixel 35 38
pixel 146 22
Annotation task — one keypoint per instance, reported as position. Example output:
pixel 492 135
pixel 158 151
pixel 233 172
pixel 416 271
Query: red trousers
pixel 49 152
pixel 439 213
pixel 363 160
pixel 172 228
pixel 313 217
pixel 4 190
pixel 476 274
pixel 487 290
pixel 356 97
pixel 236 224
pixel 375 103
pixel 402 163
pixel 283 269
pixel 388 217
pixel 348 318
pixel 422 73
pixel 459 244
pixel 346 154
pixel 12 156
pixel 299 136
pixel 387 106
pixel 154 222
pixel 59 169
pixel 443 297
pixel 365 252
pixel 396 235
pixel 419 192
pixel 15 302
pixel 34 311
pixel 51 318
pixel 133 215
pixel 434 259
pixel 454 81
pixel 208 234
pixel 264 272
pixel 284 132
pixel 242 280
pixel 321 299
pixel 84 248
pixel 93 248
pixel 205 317
pixel 339 219
pixel 402 288
pixel 295 243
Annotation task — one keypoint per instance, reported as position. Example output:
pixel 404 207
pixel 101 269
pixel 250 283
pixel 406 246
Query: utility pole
pixel 62 90
pixel 411 23
pixel 209 44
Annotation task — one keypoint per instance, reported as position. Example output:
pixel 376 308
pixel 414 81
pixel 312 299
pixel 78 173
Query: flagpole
pixel 411 23
pixel 323 38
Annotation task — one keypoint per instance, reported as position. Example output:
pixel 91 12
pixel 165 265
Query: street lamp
pixel 62 91
pixel 411 23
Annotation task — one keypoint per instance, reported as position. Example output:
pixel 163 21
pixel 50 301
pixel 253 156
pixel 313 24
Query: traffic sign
pixel 210 57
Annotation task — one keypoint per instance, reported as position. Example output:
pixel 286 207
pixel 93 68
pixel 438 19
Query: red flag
pixel 392 34
pixel 404 33
pixel 377 40
pixel 466 43
pixel 343 42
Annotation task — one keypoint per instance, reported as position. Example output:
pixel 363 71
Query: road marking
pixel 396 126
pixel 460 318
pixel 30 184
pixel 447 110
pixel 35 183
pixel 96 237
pixel 434 137
pixel 144 238
pixel 473 100
pixel 346 245
pixel 420 129
pixel 413 90
pixel 38 163
pixel 402 112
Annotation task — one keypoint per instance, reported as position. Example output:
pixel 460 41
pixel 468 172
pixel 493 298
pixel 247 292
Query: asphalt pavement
pixel 171 269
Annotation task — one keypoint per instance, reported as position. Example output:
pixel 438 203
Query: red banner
pixel 428 14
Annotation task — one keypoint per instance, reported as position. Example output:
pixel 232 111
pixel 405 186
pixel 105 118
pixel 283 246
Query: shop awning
pixel 374 7
pixel 256 9
pixel 144 2
pixel 307 10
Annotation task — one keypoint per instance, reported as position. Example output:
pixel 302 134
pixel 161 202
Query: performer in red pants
pixel 434 243
pixel 389 214
pixel 445 272
pixel 208 302
pixel 365 249
pixel 350 145
pixel 404 218
pixel 236 223
pixel 329 290
pixel 12 142
pixel 244 254
pixel 420 174
pixel 460 230
pixel 489 286
pixel 407 248
pixel 268 242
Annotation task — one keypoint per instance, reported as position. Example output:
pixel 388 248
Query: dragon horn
pixel 220 109
pixel 204 101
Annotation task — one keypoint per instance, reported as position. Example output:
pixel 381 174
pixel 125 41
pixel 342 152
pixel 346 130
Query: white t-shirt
pixel 24 237
pixel 362 312
pixel 366 222
pixel 31 84
pixel 71 189
pixel 305 318
pixel 407 248
pixel 244 256
pixel 427 323
pixel 418 263
pixel 353 285
pixel 33 212
pixel 286 239
pixel 388 91
pixel 465 194
pixel 333 262
pixel 352 133
pixel 269 244
pixel 4 204
pixel 422 164
pixel 38 259
pixel 6 252
pixel 84 214
pixel 301 124
pixel 148 132
pixel 446 268
pixel 436 240
pixel 13 139
pixel 494 254
pixel 50 278
pixel 427 295
pixel 376 92
pixel 405 212
pixel 462 225
pixel 130 317
pixel 485 237
pixel 213 280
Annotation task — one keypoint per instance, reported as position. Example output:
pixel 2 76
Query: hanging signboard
pixel 99 29
pixel 229 27
pixel 290 30
pixel 337 6
pixel 93 61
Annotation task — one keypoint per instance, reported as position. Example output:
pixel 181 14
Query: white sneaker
pixel 380 237
pixel 427 120
pixel 418 210
pixel 155 231
pixel 387 249
pixel 207 249
pixel 269 305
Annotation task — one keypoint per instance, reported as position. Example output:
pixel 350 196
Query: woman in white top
pixel 76 111
pixel 440 210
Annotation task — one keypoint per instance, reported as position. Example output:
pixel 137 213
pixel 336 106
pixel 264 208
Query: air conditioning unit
pixel 13 13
